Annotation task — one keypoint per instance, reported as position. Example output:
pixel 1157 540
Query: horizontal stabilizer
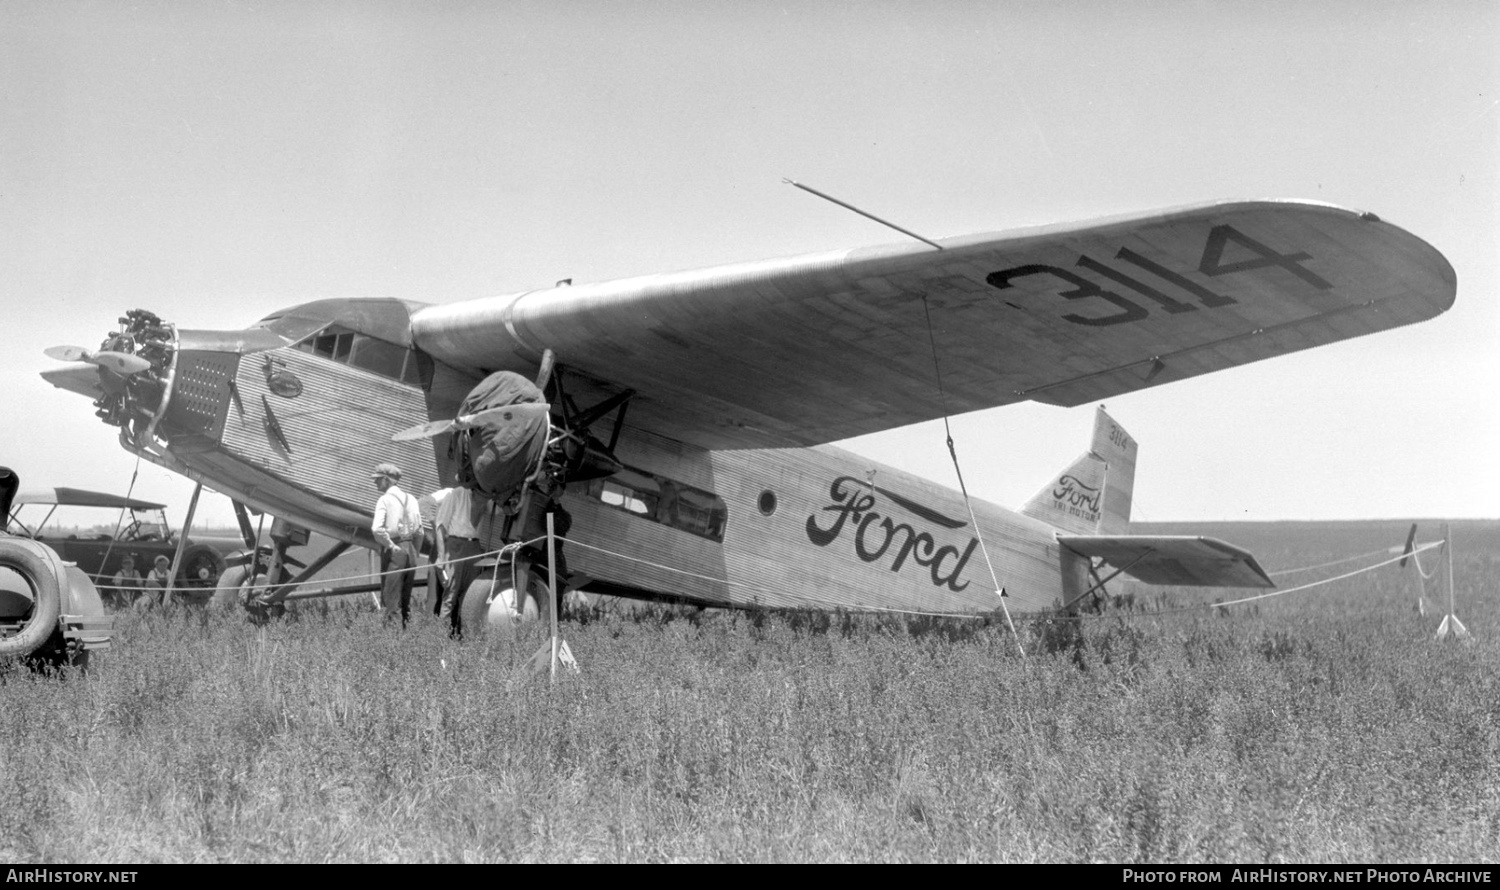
pixel 1173 560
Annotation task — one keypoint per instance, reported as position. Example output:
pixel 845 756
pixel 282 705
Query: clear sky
pixel 213 162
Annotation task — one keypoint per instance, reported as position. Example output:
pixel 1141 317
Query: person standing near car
pixel 397 527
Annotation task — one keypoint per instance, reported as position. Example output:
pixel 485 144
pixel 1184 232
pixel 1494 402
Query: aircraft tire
pixel 234 583
pixel 23 558
pixel 477 614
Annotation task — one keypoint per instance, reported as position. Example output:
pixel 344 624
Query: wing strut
pixel 964 489
pixel 1100 582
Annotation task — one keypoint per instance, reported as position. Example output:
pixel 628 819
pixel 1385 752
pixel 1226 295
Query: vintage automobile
pixel 97 531
pixel 50 612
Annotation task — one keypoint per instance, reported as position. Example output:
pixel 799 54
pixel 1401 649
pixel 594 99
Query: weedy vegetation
pixel 1327 726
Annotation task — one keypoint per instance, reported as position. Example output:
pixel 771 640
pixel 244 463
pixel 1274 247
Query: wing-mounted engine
pixel 506 433
pixel 579 453
pixel 520 451
pixel 498 443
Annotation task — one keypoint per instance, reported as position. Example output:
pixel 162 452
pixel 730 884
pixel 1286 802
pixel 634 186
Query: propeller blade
pixel 424 430
pixel 67 353
pixel 122 363
pixel 438 427
pixel 504 412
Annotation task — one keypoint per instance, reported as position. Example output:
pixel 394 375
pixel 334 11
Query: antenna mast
pixel 848 206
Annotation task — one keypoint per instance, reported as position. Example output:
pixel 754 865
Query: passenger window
pixel 626 499
pixel 664 501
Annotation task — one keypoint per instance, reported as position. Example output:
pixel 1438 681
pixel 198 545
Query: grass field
pixel 1325 726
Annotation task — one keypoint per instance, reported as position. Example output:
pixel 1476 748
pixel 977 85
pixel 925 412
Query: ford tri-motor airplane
pixel 689 412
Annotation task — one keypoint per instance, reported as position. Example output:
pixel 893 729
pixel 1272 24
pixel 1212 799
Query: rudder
pixel 1093 495
pixel 1118 451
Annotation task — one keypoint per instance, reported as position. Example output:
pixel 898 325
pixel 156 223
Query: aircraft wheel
pixel 235 587
pixel 477 613
pixel 46 600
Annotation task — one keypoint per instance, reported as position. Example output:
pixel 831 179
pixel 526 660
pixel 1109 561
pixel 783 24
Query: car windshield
pixel 73 522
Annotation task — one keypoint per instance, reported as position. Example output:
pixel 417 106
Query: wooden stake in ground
pixel 557 648
pixel 1450 624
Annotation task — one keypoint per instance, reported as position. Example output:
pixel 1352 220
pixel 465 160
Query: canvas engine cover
pixel 498 453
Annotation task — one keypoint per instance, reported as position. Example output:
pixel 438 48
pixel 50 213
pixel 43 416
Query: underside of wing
pixel 1175 561
pixel 829 346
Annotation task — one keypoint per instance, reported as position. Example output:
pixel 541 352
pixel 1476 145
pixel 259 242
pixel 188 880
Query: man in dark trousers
pixel 397 527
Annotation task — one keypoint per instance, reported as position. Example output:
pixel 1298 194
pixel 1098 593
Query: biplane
pixel 690 413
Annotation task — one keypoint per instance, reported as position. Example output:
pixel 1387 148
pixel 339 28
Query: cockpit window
pixel 370 354
pixel 295 327
pixel 332 343
pixel 418 369
pixel 377 356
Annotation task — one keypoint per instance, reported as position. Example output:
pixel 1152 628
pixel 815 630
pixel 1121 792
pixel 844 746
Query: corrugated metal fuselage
pixel 296 434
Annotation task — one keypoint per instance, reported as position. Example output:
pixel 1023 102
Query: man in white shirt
pixel 397 527
pixel 465 524
pixel 432 599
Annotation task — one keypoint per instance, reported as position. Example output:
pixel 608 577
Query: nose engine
pixel 132 401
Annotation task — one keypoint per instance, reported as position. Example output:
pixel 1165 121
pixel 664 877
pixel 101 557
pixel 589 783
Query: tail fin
pixel 1092 496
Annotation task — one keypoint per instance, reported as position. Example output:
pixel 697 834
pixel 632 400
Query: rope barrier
pixel 1297 589
pixel 508 549
pixel 500 552
pixel 1324 565
pixel 363 575
pixel 1425 576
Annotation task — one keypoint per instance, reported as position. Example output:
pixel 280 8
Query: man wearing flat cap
pixel 397 528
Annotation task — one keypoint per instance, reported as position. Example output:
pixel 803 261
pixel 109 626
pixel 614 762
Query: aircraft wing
pixel 1173 560
pixel 827 346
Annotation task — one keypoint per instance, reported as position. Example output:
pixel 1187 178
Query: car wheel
pixel 201 567
pixel 46 599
